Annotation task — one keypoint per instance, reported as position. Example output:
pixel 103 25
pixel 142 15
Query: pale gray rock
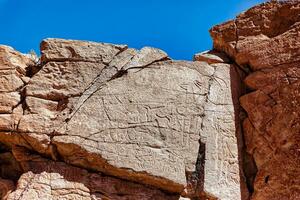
pixel 145 57
pixel 146 121
pixel 211 57
pixel 131 114
pixel 59 80
pixel 75 50
pixel 219 134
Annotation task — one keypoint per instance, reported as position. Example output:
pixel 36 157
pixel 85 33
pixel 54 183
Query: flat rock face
pixel 266 40
pixel 46 179
pixel 169 126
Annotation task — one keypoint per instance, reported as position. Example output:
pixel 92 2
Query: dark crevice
pixel 25 107
pixel 119 74
pixel 267 178
pixel 195 180
pixel 62 104
pixel 31 70
pixel 250 170
pixel 9 167
pixel 247 165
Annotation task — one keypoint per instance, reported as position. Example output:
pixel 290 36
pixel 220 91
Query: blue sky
pixel 179 27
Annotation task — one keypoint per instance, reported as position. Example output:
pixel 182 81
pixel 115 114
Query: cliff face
pixel 102 121
pixel 264 41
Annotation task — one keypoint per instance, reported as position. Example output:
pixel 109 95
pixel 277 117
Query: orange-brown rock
pixel 265 42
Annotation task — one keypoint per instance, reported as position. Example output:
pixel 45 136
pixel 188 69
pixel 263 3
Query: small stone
pixel 211 57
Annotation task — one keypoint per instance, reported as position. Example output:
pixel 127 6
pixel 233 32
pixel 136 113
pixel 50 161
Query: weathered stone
pixel 145 57
pixel 47 179
pixel 220 135
pixel 8 122
pixel 211 57
pixel 131 114
pixel 57 81
pixel 265 39
pixel 47 108
pixel 10 81
pixel 255 36
pixel 74 50
pixel 123 58
pixel 8 101
pixel 10 59
pixel 131 129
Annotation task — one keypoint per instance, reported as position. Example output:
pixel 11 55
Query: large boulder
pixel 172 127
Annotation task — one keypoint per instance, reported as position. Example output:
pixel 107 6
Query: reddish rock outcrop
pixel 265 42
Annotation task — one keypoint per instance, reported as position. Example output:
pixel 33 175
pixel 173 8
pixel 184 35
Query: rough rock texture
pixel 212 57
pixel 46 179
pixel 265 42
pixel 102 121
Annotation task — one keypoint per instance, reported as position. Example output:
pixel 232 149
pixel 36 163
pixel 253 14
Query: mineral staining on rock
pixel 265 41
pixel 131 114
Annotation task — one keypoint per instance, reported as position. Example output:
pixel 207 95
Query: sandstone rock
pixel 47 179
pixel 10 59
pixel 74 50
pixel 265 39
pixel 132 114
pixel 220 135
pixel 139 125
pixel 103 121
pixel 145 57
pixel 211 57
pixel 263 31
pixel 10 81
pixel 56 81
pixel 37 105
pixel 6 187
pixel 8 101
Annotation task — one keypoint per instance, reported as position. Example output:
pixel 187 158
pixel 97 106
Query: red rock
pixel 265 41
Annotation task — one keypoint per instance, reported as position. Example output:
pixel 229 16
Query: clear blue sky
pixel 179 27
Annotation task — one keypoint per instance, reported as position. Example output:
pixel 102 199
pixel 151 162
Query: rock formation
pixel 101 121
pixel 91 113
pixel 264 41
